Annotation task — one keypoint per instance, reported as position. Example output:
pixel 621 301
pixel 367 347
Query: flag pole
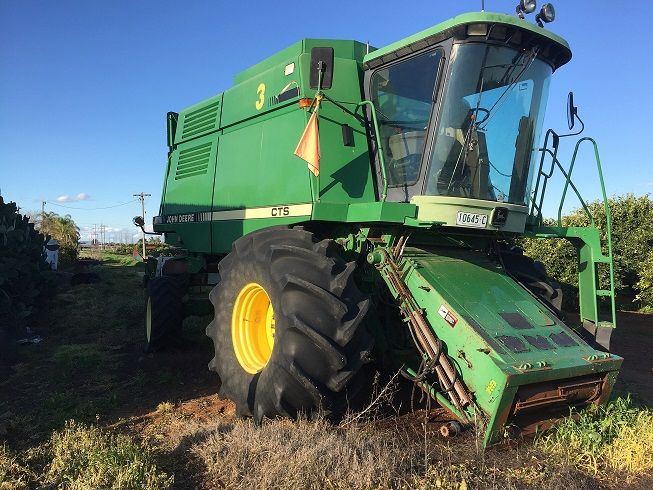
pixel 318 98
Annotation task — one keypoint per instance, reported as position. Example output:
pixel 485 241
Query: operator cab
pixel 461 118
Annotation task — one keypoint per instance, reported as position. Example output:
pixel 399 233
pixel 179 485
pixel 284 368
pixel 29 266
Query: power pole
pixel 102 235
pixel 141 197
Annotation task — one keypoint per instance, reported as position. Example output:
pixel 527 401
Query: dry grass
pixel 14 475
pixel 304 455
pixel 317 455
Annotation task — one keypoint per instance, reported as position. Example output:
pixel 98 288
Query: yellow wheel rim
pixel 252 328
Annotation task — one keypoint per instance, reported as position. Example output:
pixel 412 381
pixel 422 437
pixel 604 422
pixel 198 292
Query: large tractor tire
pixel 288 327
pixel 532 274
pixel 163 312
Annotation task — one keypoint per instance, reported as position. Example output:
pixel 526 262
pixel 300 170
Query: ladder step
pixel 605 324
pixel 602 260
pixel 603 292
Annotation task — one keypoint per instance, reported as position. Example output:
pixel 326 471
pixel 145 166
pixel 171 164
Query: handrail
pixel 606 208
pixel 568 183
pixel 567 174
pixel 378 145
pixel 540 174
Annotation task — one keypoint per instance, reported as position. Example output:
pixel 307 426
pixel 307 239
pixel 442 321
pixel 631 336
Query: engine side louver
pixel 201 121
pixel 193 161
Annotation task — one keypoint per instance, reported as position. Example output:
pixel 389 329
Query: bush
pixel 645 283
pixel 153 247
pixel 65 231
pixel 632 244
pixel 22 262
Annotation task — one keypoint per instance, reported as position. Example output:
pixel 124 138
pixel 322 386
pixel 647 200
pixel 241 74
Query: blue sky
pixel 85 85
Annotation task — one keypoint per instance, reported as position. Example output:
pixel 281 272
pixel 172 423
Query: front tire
pixel 288 326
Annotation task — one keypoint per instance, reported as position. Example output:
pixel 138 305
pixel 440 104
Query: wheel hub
pixel 252 327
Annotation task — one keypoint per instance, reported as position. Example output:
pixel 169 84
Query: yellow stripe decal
pixel 281 211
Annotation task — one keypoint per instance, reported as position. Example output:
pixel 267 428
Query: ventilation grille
pixel 201 121
pixel 193 161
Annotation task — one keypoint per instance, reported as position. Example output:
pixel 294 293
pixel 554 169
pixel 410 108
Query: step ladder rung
pixel 603 292
pixel 602 260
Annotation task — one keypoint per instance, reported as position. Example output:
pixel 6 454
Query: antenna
pixel 482 5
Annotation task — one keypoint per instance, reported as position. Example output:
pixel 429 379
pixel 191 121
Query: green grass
pixel 616 437
pixel 111 257
pixel 72 358
pixel 86 457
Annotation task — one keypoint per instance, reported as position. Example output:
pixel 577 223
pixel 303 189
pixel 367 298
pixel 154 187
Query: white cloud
pixel 82 196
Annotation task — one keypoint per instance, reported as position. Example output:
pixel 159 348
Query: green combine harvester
pixel 351 205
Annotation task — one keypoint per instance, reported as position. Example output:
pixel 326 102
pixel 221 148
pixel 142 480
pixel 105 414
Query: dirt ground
pixel 633 340
pixel 90 366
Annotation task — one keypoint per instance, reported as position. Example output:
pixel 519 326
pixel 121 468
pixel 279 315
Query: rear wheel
pixel 288 326
pixel 163 312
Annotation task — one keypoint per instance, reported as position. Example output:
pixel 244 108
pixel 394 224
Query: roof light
pixel 477 30
pixel 547 14
pixel 525 7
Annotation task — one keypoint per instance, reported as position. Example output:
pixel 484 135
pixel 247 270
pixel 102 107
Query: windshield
pixel 491 120
pixel 403 97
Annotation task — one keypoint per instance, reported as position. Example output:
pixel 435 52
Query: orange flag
pixel 308 148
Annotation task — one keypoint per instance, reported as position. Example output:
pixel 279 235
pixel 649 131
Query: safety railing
pixel 539 192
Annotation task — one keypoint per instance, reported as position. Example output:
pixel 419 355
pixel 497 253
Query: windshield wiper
pixel 531 55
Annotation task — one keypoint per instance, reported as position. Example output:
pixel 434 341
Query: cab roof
pixel 458 27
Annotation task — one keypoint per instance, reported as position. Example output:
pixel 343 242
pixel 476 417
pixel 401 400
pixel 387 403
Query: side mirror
pixel 572 111
pixel 138 221
pixel 321 62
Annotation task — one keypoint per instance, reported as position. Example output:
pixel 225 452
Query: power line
pixel 92 209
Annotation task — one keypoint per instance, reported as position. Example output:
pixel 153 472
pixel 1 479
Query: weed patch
pixel 165 407
pixel 86 457
pixel 13 474
pixel 617 437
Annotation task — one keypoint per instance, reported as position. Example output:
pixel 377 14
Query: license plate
pixel 473 220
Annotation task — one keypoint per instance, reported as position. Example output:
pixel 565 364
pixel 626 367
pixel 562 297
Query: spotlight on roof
pixel 525 7
pixel 547 14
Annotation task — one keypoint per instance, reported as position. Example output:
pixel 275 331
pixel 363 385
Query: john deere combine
pixel 393 244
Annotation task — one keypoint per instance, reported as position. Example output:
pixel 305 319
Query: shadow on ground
pixel 90 365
